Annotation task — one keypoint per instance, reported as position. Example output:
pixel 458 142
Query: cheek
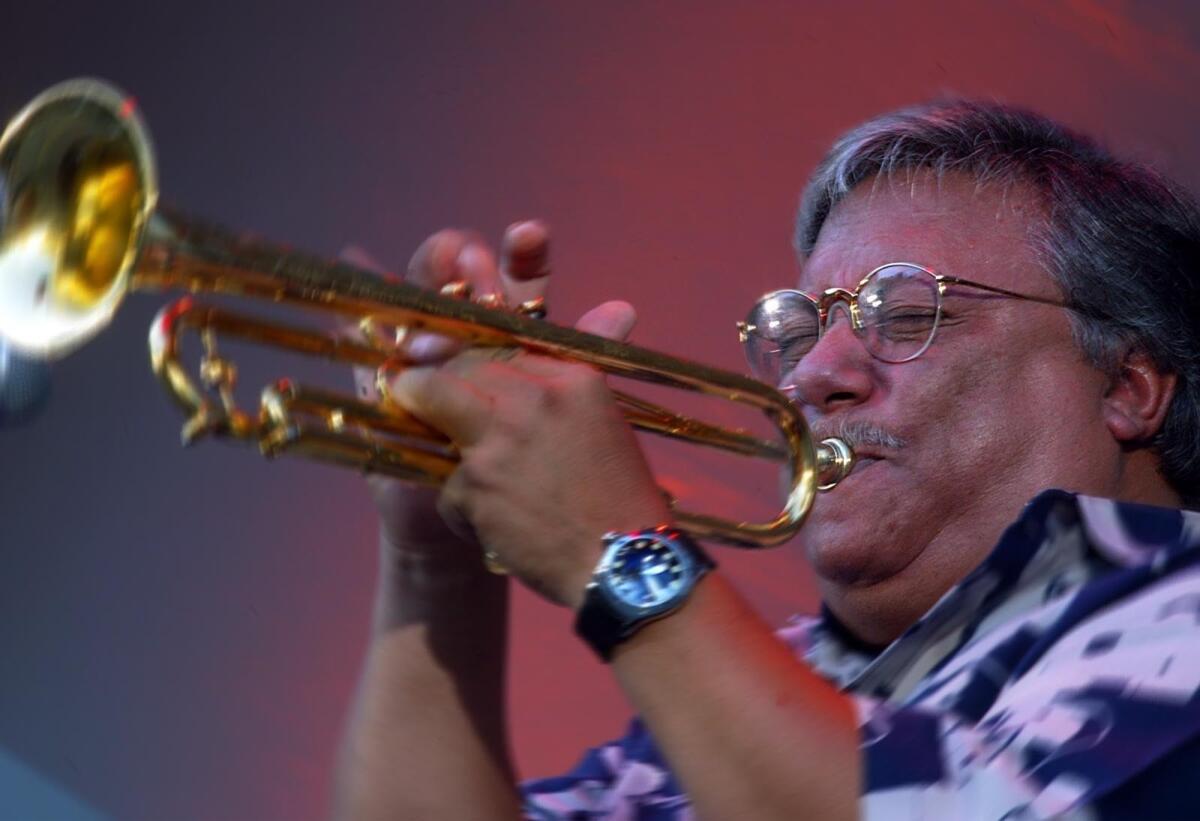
pixel 999 422
pixel 969 420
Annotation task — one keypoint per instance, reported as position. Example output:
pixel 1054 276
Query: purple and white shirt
pixel 1060 679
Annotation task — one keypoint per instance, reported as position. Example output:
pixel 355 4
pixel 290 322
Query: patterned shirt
pixel 1060 679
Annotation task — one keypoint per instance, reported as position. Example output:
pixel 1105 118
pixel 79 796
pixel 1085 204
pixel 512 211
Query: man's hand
pixel 548 466
pixel 548 462
pixel 410 523
pixel 427 735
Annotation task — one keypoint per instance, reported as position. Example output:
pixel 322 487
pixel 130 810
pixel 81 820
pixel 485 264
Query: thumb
pixel 612 320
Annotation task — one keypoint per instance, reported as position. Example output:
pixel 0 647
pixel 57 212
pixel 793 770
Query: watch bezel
pixel 687 554
pixel 605 619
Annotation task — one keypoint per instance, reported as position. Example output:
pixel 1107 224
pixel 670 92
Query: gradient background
pixel 180 634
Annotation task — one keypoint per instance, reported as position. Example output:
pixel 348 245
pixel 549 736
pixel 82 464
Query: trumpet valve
pixel 458 289
pixel 534 308
pixel 490 300
pixel 380 335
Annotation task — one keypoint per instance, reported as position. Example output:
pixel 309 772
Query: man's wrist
pixel 439 553
pixel 584 574
pixel 578 585
pixel 643 576
pixel 420 584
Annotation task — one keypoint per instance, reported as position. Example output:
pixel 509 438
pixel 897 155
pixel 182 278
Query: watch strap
pixel 599 624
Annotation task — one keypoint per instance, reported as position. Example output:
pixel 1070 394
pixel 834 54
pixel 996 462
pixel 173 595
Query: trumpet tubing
pixel 82 227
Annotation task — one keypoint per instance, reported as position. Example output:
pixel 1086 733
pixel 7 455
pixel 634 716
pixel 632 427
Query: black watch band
pixel 599 626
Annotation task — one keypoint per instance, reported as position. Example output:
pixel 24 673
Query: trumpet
pixel 82 227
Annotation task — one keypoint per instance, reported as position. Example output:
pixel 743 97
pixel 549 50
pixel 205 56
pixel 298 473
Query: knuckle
pixel 582 382
pixel 521 415
pixel 470 364
pixel 548 398
pixel 429 395
pixel 505 427
pixel 479 469
pixel 453 507
pixel 477 265
pixel 435 260
pixel 451 499
pixel 556 397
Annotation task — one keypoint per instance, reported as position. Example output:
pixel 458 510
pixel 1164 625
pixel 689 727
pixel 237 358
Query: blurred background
pixel 180 633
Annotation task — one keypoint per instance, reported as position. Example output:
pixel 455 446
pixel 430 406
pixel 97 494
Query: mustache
pixel 857 433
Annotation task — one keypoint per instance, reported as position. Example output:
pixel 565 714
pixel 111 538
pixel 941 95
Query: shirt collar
pixel 1058 543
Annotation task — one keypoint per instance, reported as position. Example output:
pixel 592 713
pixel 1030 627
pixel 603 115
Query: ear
pixel 1137 399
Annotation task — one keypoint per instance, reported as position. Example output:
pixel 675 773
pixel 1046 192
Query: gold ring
pixel 492 562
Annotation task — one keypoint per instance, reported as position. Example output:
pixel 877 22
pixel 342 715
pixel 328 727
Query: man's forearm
pixel 747 729
pixel 427 738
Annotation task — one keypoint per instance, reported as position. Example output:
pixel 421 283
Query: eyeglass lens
pixel 898 308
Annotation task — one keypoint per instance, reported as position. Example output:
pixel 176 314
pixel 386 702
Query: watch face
pixel 645 572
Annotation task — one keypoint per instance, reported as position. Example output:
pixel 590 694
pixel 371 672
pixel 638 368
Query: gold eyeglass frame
pixel 830 297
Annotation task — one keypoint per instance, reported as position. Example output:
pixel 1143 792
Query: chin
pixel 849 548
pixel 841 554
pixel 854 537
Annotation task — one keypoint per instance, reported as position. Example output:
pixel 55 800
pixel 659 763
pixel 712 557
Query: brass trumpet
pixel 81 227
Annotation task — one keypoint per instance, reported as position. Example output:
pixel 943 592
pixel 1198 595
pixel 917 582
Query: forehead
pixel 950 224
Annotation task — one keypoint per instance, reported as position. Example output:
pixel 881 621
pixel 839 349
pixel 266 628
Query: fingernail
pixel 527 225
pixel 426 348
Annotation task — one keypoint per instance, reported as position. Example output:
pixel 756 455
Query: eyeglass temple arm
pixel 1004 291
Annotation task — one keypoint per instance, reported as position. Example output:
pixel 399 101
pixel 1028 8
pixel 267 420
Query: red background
pixel 180 633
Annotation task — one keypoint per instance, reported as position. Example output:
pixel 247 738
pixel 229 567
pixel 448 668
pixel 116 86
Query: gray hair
pixel 1121 241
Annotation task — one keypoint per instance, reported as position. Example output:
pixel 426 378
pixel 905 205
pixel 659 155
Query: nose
pixel 837 373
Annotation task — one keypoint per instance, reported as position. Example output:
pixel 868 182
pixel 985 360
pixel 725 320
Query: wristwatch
pixel 642 576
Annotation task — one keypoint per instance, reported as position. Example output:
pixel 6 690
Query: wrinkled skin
pixel 1000 407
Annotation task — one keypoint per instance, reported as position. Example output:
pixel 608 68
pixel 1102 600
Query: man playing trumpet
pixel 991 310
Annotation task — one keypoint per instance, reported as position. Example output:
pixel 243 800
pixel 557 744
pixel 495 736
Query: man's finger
pixel 476 265
pixel 525 261
pixel 612 320
pixel 525 250
pixel 443 400
pixel 435 261
pixel 452 255
pixel 449 256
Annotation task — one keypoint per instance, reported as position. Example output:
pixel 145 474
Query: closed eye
pixel 902 323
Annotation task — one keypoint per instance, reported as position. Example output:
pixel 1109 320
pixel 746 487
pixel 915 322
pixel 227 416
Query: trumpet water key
pixel 81 227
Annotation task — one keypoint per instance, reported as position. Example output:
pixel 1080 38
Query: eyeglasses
pixel 894 310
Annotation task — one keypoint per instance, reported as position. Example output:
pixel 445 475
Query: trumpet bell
pixel 78 189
